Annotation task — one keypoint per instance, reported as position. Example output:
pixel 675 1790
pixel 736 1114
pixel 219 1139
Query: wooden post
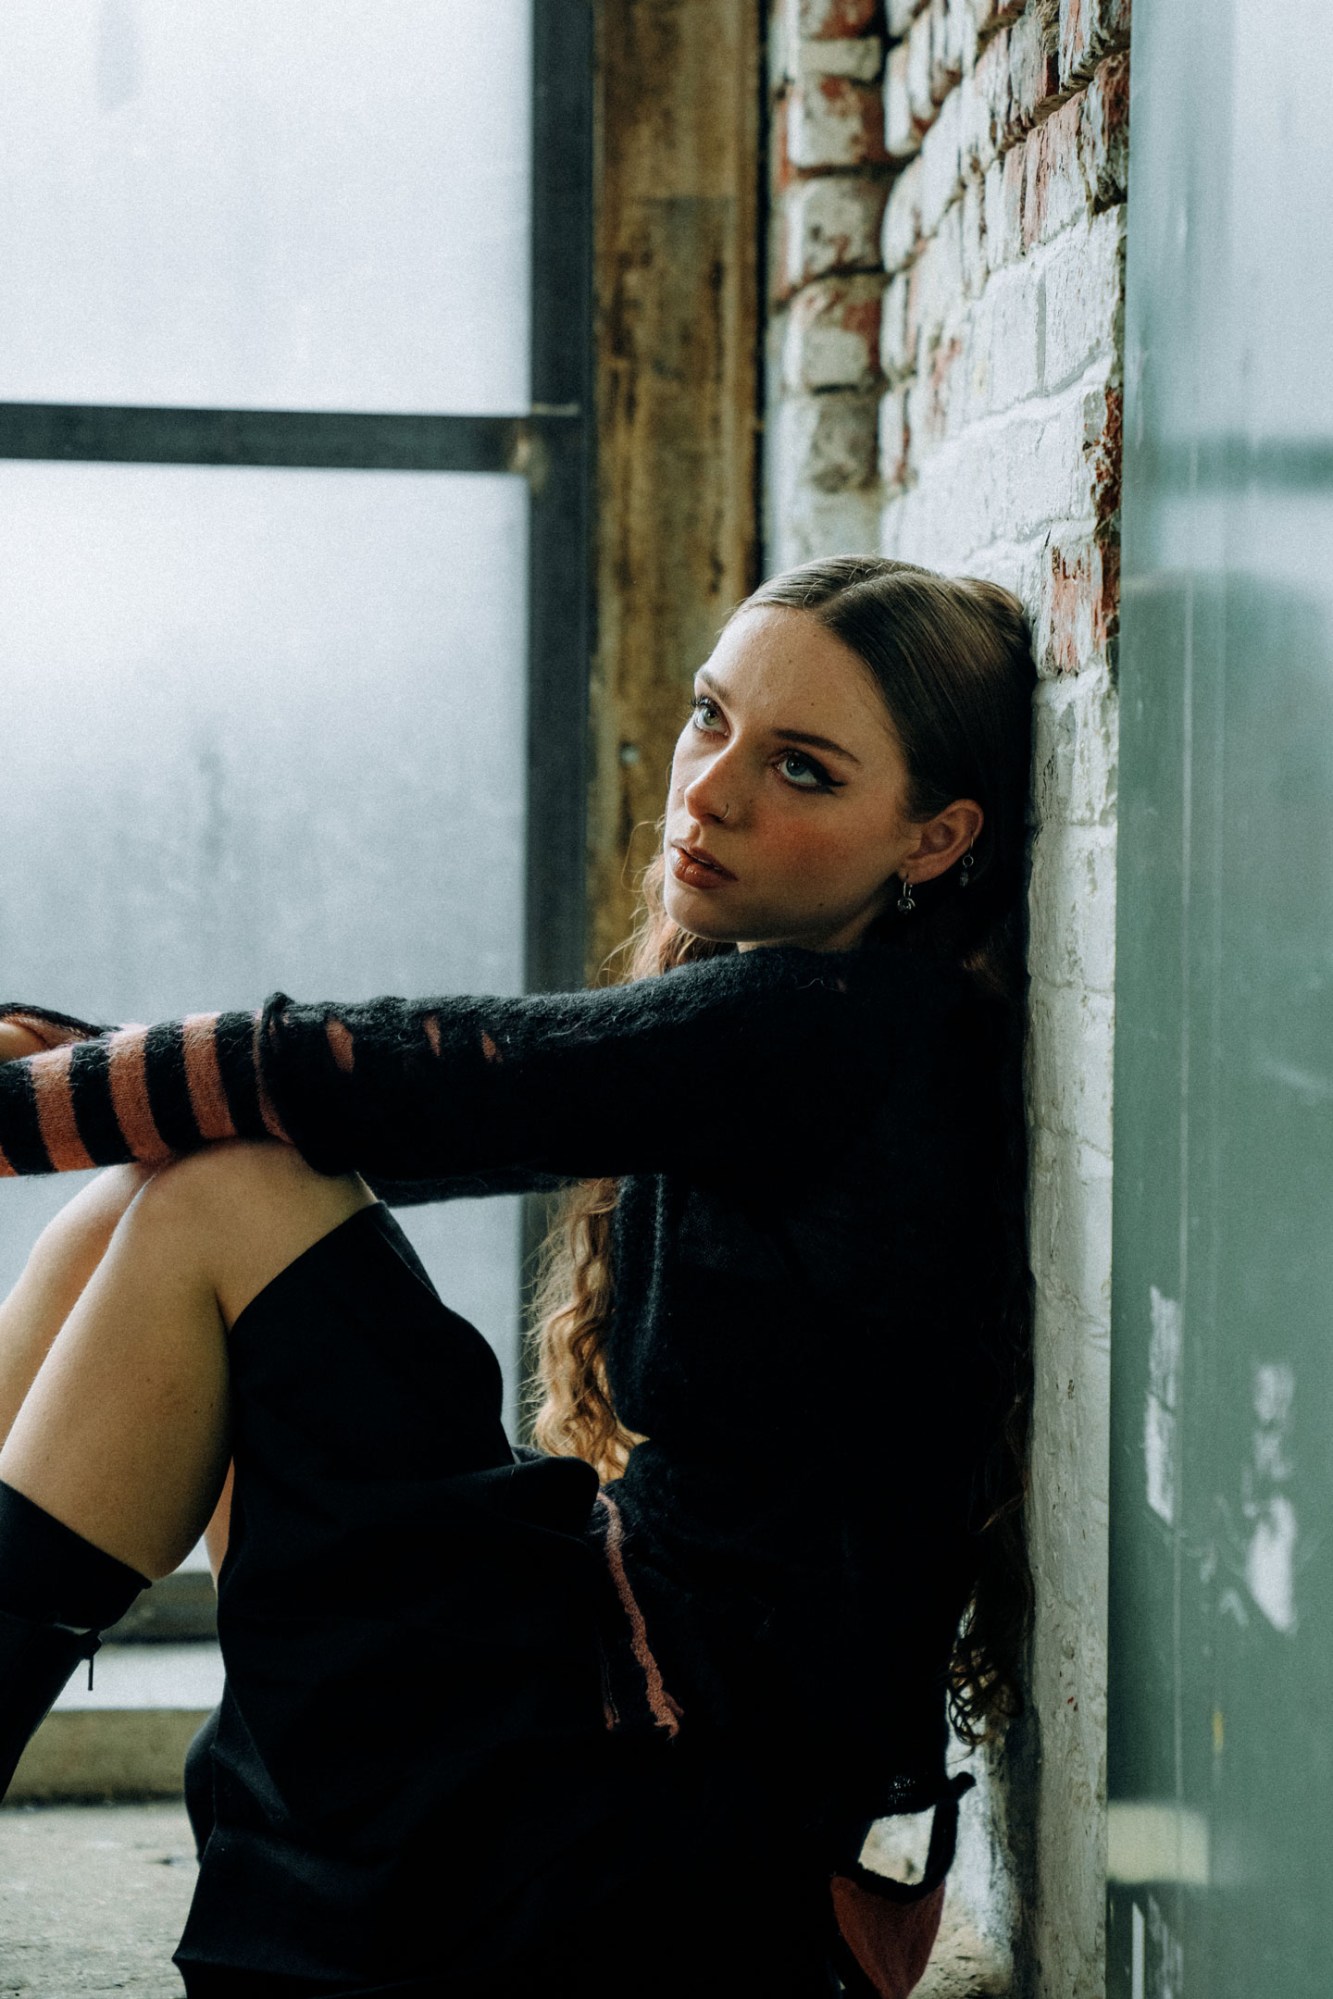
pixel 678 370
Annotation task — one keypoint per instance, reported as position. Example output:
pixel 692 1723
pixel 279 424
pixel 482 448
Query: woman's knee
pixel 242 1210
pixel 75 1240
pixel 240 1175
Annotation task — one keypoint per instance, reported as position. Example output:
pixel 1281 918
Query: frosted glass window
pixel 291 204
pixel 265 728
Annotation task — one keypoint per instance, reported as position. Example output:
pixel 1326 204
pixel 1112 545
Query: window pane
pixel 265 728
pixel 302 204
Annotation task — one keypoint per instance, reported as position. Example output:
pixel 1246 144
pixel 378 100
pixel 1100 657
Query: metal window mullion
pixel 312 439
pixel 560 564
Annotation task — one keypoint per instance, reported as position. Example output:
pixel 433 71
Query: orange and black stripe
pixel 101 1097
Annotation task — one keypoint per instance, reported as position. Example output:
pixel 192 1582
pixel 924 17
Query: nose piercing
pixel 723 813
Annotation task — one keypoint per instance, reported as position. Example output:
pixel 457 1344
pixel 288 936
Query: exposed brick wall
pixel 946 288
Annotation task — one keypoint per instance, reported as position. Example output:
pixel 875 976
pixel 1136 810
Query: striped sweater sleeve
pixel 655 1076
pixel 103 1096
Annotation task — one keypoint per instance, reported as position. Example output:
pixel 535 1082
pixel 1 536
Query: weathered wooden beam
pixel 678 370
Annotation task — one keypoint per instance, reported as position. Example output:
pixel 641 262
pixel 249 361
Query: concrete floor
pixel 92 1899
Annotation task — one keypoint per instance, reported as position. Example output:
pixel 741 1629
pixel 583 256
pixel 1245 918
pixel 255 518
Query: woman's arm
pixel 743 1060
pixel 16 1041
pixel 26 1030
pixel 103 1096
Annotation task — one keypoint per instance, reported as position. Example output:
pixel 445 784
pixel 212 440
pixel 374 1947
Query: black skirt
pixel 441 1764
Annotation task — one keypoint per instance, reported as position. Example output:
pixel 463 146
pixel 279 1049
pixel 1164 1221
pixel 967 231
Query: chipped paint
pixel 1159 1420
pixel 1270 1556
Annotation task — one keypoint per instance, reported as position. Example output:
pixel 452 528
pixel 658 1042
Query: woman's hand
pixel 16 1041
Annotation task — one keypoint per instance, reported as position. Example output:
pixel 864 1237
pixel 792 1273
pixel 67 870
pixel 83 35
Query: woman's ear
pixel 945 839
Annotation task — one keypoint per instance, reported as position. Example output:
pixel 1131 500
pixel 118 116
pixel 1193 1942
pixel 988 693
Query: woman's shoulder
pixel 880 980
pixel 849 1016
pixel 875 967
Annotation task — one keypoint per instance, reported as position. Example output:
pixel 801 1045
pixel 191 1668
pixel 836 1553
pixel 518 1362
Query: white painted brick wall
pixel 902 218
pixel 832 224
pixel 1084 281
pixel 861 60
pixel 959 405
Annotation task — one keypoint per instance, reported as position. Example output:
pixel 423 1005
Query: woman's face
pixel 789 780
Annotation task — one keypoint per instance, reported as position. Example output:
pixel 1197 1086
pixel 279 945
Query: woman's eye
pixel 804 772
pixel 705 713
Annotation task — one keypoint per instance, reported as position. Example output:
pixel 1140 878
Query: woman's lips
pixel 696 868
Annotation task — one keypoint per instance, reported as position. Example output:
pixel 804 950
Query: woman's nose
pixel 711 795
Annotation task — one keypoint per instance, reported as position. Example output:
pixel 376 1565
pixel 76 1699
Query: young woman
pixel 619 1708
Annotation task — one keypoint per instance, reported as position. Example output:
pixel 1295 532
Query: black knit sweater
pixel 805 1259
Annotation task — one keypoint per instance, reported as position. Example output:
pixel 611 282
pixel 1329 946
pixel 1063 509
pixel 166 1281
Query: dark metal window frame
pixel 551 445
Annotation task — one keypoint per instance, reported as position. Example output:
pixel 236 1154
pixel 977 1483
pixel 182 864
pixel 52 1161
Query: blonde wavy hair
pixel 953 662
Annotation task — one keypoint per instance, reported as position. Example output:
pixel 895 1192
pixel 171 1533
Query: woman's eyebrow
pixel 801 736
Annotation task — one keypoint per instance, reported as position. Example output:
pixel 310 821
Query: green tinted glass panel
pixel 1221 1730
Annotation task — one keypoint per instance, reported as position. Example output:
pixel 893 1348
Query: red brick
pixel 1011 207
pixel 1103 437
pixel 984 97
pixel 1080 610
pixel 988 15
pixel 929 397
pixel 1104 132
pixel 902 133
pixel 1054 192
pixel 834 122
pixel 900 14
pixel 1034 73
pixel 941 384
pixel 831 222
pixel 862 59
pixel 832 339
pixel 779 149
pixel 830 20
pixel 1090 30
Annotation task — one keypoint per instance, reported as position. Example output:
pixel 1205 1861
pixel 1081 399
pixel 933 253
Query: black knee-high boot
pixel 35 1662
pixel 57 1594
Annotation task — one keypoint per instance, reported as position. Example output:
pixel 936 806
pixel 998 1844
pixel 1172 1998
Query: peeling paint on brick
pixel 831 20
pixel 1103 414
pixel 833 121
pixel 1081 610
pixel 1034 72
pixel 831 224
pixel 1089 30
pixel 833 335
pixel 1104 132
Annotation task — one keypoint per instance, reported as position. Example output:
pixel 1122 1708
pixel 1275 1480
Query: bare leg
pixel 64 1257
pixel 123 1433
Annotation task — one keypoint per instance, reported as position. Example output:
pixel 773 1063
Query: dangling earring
pixel 965 867
pixel 905 902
